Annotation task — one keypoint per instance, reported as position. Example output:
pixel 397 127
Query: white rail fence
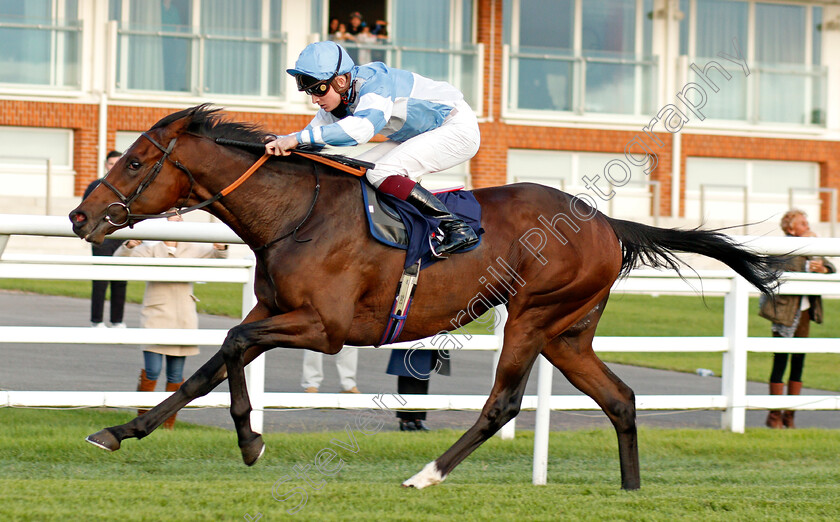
pixel 734 344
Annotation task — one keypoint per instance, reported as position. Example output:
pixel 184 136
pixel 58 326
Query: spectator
pixel 365 38
pixel 100 288
pixel 168 305
pixel 357 23
pixel 354 29
pixel 791 316
pixel 337 30
pixel 413 369
pixel 345 363
pixel 380 30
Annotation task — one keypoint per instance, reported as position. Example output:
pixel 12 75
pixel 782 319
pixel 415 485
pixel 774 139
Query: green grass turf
pixel 214 298
pixel 642 315
pixel 47 472
pixel 625 315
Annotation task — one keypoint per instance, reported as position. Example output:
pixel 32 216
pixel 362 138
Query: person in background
pixel 100 288
pixel 413 369
pixel 336 30
pixel 346 362
pixel 791 316
pixel 168 305
pixel 357 23
pixel 365 38
pixel 380 30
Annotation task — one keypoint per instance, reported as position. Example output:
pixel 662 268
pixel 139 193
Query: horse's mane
pixel 207 121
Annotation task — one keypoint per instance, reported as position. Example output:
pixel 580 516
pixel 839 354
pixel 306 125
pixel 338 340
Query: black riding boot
pixel 456 233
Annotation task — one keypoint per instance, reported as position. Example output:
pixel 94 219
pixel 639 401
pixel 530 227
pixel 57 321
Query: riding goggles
pixel 313 86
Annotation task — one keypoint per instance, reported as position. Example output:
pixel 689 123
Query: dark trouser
pixel 97 300
pixel 797 360
pixel 412 386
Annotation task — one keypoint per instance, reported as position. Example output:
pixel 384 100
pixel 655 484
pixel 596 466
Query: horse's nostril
pixel 78 217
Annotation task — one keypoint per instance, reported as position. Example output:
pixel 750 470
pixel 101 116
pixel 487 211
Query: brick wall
pixel 489 167
pixel 81 118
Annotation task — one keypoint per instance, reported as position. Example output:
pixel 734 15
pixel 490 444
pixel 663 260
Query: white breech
pixel 451 144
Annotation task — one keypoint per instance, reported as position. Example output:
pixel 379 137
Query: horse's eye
pixel 134 165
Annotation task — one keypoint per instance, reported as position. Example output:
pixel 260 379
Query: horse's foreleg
pixel 517 358
pixel 573 355
pixel 202 382
pixel 300 328
pixel 250 442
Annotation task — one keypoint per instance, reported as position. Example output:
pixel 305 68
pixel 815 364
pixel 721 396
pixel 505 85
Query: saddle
pixel 396 223
pixel 392 221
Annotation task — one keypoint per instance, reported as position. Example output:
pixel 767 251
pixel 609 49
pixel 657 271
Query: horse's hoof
pixel 104 439
pixel 252 450
pixel 429 476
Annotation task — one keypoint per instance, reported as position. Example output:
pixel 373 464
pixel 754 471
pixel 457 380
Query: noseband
pixel 125 202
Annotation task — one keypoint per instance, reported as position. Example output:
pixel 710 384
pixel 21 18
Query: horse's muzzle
pixel 84 227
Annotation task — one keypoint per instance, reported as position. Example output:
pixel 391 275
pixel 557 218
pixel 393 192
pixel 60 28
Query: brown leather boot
pixel 145 385
pixel 774 418
pixel 169 423
pixel 794 388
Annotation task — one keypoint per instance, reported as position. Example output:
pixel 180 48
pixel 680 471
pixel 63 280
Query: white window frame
pixel 58 43
pixel 807 198
pixel 625 197
pixel 510 73
pixel 198 91
pixel 752 104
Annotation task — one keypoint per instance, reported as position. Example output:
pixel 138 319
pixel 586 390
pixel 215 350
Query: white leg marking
pixel 429 476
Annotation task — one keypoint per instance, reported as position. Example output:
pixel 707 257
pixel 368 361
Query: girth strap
pixel 402 304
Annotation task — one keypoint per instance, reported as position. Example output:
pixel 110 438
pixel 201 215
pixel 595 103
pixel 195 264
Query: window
pixel 441 47
pixel 590 56
pixel 200 47
pixel 565 170
pixel 24 152
pixel 40 43
pixel 782 69
pixel 125 139
pixel 716 188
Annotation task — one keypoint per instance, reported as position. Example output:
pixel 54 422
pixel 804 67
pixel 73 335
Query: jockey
pixel 428 124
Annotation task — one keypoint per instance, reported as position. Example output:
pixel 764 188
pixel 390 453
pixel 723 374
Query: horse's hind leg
pixel 572 354
pixel 518 355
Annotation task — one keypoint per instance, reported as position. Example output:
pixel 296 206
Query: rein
pixel 130 219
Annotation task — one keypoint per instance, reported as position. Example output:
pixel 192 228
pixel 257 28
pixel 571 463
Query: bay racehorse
pixel 322 282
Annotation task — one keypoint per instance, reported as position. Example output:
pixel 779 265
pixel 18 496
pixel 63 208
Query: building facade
pixel 694 110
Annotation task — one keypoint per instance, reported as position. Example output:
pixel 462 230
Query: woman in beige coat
pixel 168 305
pixel 791 316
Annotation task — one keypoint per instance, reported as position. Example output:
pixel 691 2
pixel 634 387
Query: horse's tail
pixel 654 247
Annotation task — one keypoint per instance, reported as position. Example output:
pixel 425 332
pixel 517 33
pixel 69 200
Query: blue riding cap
pixel 319 60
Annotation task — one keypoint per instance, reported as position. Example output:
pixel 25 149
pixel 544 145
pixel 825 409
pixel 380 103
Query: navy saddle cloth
pixel 397 223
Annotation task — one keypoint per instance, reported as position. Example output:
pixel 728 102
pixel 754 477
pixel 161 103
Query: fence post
pixel 508 431
pixel 254 372
pixel 734 378
pixel 541 428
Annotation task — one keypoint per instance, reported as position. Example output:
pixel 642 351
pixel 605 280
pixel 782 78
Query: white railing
pixel 734 344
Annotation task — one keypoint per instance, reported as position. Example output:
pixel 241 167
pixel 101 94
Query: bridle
pixel 125 202
pixel 130 219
